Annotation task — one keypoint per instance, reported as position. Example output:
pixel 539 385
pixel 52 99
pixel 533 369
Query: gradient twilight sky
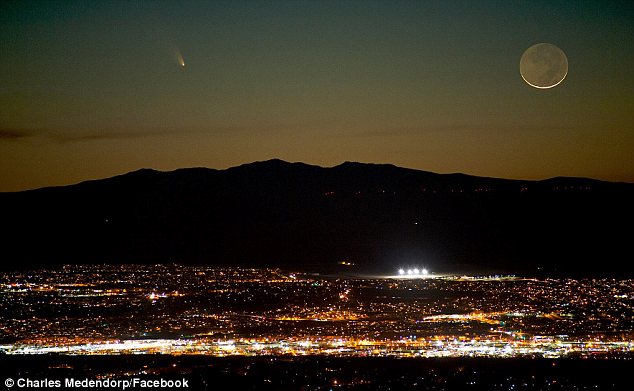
pixel 93 89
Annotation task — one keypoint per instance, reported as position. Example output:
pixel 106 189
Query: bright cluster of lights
pixel 413 272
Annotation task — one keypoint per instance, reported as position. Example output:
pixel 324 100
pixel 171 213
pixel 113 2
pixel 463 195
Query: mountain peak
pixel 275 212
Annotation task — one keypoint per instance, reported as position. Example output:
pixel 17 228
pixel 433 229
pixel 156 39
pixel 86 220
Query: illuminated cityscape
pixel 317 195
pixel 105 310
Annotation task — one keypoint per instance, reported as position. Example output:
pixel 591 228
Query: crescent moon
pixel 543 66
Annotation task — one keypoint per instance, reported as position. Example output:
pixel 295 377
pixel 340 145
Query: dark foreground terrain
pixel 283 214
pixel 326 373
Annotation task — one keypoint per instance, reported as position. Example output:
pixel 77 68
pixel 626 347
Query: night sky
pixel 95 89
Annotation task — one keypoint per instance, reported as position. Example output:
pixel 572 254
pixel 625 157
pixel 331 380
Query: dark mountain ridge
pixel 295 215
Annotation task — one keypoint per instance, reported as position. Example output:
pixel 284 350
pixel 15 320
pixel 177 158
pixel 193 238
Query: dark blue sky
pixel 89 89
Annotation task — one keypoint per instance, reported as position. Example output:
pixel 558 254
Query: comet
pixel 180 59
pixel 174 52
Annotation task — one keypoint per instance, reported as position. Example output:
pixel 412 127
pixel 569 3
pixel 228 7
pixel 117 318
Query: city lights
pixel 343 317
pixel 413 272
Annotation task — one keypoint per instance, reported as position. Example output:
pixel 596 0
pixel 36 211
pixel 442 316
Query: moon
pixel 543 66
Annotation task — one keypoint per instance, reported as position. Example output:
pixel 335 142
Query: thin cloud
pixel 14 134
pixel 66 136
pixel 83 137
pixel 457 128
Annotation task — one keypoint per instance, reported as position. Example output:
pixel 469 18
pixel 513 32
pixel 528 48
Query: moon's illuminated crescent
pixel 543 66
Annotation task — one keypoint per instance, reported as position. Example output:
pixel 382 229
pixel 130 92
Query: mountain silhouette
pixel 293 215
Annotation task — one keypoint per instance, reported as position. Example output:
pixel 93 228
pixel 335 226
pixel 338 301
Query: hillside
pixel 276 213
